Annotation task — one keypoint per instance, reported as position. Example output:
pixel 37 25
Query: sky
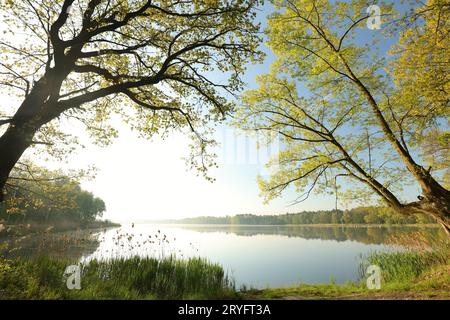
pixel 149 179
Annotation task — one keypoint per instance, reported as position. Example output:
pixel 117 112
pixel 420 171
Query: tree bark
pixel 37 109
pixel 13 143
pixel 435 204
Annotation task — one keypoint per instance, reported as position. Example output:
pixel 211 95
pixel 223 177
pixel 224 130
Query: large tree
pixel 367 120
pixel 159 64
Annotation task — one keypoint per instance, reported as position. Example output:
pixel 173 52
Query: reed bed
pixel 416 254
pixel 131 278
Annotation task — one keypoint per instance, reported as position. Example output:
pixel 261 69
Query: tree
pixel 423 87
pixel 360 123
pixel 36 194
pixel 33 188
pixel 373 218
pixel 336 217
pixel 150 62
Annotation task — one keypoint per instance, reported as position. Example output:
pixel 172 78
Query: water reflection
pixel 71 245
pixel 362 234
pixel 257 256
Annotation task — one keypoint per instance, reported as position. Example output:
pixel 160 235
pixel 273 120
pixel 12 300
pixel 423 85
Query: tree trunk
pixel 436 199
pixel 37 109
pixel 445 223
pixel 442 219
pixel 438 208
pixel 435 203
pixel 13 143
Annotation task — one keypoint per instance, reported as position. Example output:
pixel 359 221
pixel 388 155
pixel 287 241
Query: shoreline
pixel 14 230
pixel 319 225
pixel 430 284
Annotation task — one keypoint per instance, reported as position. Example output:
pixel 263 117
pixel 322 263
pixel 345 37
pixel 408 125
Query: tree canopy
pixel 159 65
pixel 366 119
pixel 38 195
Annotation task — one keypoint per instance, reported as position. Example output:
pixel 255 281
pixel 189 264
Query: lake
pixel 255 256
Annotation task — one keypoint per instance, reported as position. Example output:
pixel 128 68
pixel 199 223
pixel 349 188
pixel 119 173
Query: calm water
pixel 257 256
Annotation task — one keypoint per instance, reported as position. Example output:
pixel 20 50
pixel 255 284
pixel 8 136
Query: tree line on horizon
pixel 360 215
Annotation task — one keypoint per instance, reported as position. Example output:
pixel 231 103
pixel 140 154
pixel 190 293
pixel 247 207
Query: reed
pixel 130 278
pixel 414 257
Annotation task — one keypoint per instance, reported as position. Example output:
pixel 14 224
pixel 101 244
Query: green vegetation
pixel 371 234
pixel 421 271
pixel 350 121
pixel 405 266
pixel 84 207
pixel 38 199
pixel 432 284
pixel 155 68
pixel 133 278
pixel 418 273
pixel 361 215
pixel 46 197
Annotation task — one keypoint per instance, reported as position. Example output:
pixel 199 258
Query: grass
pixel 421 254
pixel 134 278
pixel 405 275
pixel 405 266
pixel 432 284
pixel 421 272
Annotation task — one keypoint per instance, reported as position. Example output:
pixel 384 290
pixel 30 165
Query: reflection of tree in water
pixel 367 235
pixel 68 245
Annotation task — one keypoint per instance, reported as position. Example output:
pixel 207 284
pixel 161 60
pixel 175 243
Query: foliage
pixel 361 215
pixel 133 278
pixel 409 263
pixel 152 64
pixel 422 87
pixel 410 273
pixel 341 115
pixel 38 195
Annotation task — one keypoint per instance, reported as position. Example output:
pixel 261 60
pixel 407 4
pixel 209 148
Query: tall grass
pixel 415 257
pixel 131 278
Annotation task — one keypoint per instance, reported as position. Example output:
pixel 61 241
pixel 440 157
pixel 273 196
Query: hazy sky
pixel 140 179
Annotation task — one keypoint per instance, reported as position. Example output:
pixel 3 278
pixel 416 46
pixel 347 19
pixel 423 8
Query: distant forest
pixel 361 215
